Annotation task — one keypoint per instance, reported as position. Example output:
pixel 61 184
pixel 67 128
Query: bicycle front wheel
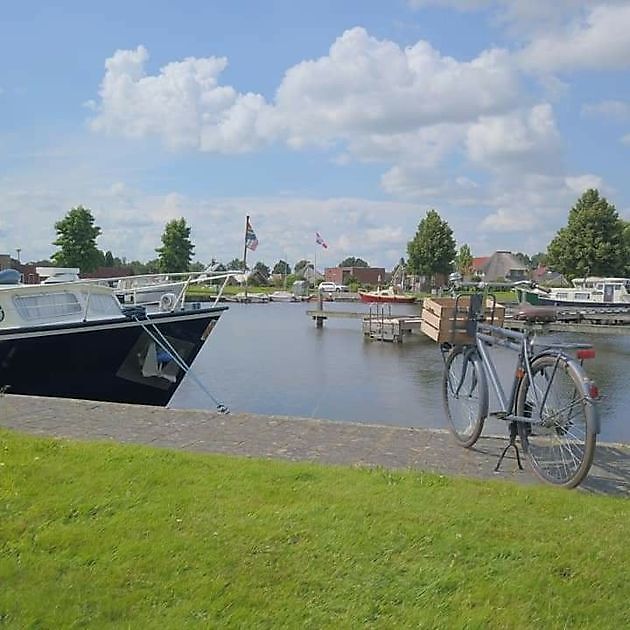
pixel 465 393
pixel 560 443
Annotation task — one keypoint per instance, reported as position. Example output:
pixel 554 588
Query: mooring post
pixel 319 321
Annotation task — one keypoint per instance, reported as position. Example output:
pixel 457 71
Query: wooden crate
pixel 438 319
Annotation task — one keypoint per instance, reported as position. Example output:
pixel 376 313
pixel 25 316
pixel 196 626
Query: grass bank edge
pixel 102 532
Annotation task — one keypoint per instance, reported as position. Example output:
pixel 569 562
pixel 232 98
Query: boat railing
pixel 172 286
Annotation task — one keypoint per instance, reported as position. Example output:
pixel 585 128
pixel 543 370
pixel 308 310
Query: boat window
pixel 47 305
pixel 582 296
pixel 103 304
pixel 562 295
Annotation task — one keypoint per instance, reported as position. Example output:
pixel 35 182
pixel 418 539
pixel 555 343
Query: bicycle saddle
pixel 535 314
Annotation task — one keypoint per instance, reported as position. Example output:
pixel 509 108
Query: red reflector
pixel 593 391
pixel 586 353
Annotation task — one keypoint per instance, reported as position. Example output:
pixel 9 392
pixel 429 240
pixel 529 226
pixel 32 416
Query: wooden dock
pixel 379 323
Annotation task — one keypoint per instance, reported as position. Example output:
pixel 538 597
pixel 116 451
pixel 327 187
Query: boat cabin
pixel 27 305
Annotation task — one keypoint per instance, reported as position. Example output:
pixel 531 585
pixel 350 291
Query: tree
pixel 177 249
pixel 301 266
pixel 351 261
pixel 76 238
pixel 109 259
pixel 262 270
pixel 282 267
pixel 592 243
pixel 464 260
pixel 236 264
pixel 524 259
pixel 538 260
pixel 432 249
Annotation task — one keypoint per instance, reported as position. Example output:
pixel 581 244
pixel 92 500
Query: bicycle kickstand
pixel 512 443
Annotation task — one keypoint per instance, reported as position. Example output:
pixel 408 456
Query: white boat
pixel 282 296
pixel 250 298
pixel 76 340
pixel 592 292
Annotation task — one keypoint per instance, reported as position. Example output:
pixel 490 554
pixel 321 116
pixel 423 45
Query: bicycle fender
pixel 586 383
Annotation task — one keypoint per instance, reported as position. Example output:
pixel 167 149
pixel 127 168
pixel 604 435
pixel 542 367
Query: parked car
pixel 328 287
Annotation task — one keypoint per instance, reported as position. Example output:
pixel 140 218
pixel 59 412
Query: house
pixel 478 265
pixel 544 275
pixel 502 266
pixel 365 275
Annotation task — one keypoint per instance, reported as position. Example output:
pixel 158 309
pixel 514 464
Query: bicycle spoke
pixel 465 397
pixel 559 443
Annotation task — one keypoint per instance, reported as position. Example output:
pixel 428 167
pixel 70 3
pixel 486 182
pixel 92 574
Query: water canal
pixel 271 359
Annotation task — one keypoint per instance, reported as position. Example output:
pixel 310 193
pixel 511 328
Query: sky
pixel 351 118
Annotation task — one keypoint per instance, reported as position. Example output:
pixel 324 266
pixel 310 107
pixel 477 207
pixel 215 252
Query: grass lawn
pixel 98 535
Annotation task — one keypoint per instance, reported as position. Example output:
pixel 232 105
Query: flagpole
pixel 245 255
pixel 315 269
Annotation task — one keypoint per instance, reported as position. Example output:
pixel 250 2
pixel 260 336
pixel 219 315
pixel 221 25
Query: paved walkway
pixel 296 439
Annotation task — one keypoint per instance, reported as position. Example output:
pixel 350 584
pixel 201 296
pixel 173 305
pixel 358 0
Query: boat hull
pixel 119 360
pixel 392 299
pixel 539 299
pixel 546 301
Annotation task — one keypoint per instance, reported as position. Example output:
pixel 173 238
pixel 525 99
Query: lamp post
pixel 18 250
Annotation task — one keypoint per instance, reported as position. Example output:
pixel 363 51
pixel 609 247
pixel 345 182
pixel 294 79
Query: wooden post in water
pixel 319 321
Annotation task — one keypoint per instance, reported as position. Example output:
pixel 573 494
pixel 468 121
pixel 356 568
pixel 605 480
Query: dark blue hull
pixel 581 304
pixel 116 360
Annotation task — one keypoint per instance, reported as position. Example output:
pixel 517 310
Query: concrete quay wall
pixel 295 439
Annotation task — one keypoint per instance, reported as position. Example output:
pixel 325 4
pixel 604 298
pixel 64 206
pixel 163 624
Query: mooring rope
pixel 159 338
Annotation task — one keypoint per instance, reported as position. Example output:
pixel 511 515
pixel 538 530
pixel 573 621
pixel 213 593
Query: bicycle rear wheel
pixel 465 393
pixel 561 448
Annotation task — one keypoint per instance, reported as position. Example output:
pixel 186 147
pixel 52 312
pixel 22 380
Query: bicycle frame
pixel 550 407
pixel 487 335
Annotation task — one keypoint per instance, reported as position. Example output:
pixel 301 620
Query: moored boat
pixel 386 295
pixel 282 296
pixel 590 292
pixel 76 340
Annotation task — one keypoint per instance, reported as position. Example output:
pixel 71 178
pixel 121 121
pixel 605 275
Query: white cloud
pixel 599 41
pixel 521 139
pixel 370 86
pixel 183 104
pixel 619 110
pixel 366 92
pixel 523 17
pixel 580 183
pixel 626 139
pixel 534 204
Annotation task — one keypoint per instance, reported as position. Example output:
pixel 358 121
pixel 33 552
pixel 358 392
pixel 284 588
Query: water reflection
pixel 271 359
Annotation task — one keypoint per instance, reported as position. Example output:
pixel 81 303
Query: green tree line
pixel 595 241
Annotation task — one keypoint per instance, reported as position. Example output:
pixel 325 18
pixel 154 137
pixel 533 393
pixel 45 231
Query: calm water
pixel 271 359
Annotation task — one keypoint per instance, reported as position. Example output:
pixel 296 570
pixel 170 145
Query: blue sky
pixel 348 118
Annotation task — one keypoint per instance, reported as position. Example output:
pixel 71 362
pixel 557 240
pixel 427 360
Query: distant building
pixel 544 275
pixel 29 273
pixel 108 272
pixel 478 265
pixel 502 266
pixel 365 275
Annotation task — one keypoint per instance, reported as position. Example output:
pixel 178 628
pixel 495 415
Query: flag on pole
pixel 320 241
pixel 251 242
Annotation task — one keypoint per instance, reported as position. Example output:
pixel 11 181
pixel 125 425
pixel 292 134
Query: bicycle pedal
pixel 500 415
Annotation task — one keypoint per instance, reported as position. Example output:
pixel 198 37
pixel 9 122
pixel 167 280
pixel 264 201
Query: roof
pixel 501 263
pixel 479 262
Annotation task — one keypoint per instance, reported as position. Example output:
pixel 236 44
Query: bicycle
pixel 552 402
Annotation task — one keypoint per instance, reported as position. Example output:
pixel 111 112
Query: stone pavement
pixel 295 439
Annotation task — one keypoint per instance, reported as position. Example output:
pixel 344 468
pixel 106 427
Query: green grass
pixel 102 535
